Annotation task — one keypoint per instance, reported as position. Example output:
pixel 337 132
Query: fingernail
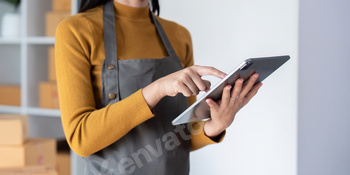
pixel 256 75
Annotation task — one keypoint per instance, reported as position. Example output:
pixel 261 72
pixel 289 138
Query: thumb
pixel 212 104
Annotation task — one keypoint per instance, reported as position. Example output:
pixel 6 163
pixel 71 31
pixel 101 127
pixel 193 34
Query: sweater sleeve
pixel 88 129
pixel 198 137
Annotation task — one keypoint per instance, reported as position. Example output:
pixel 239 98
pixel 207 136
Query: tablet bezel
pixel 276 61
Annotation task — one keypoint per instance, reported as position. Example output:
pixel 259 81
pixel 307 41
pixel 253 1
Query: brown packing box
pixel 61 5
pixel 48 95
pixel 63 163
pixel 35 151
pixel 10 95
pixel 13 129
pixel 53 18
pixel 52 69
pixel 31 170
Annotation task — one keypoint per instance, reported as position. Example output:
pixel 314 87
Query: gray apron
pixel 154 147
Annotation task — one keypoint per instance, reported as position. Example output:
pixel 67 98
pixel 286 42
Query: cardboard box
pixel 13 129
pixel 61 5
pixel 31 170
pixel 48 95
pixel 53 18
pixel 10 95
pixel 51 66
pixel 35 151
pixel 63 163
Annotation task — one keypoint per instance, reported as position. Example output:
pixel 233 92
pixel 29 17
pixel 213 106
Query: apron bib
pixel 153 147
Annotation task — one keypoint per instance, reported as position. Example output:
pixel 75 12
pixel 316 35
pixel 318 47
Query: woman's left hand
pixel 224 111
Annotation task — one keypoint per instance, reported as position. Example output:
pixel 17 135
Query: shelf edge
pixel 10 109
pixel 44 112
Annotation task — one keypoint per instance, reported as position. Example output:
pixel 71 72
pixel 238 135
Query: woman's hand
pixel 187 81
pixel 223 111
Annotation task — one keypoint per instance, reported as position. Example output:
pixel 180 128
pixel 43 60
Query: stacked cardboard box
pixel 13 129
pixel 10 95
pixel 30 170
pixel 48 95
pixel 61 10
pixel 58 5
pixel 63 157
pixel 63 163
pixel 20 153
pixel 34 151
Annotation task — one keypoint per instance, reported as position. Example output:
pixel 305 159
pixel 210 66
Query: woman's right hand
pixel 187 81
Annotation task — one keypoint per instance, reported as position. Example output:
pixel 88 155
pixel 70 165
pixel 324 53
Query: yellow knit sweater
pixel 79 57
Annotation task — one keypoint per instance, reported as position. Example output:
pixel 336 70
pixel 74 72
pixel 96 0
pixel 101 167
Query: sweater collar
pixel 132 13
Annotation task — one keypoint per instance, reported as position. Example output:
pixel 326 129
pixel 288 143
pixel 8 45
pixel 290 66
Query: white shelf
pixel 10 40
pixel 10 109
pixel 41 40
pixel 44 112
pixel 29 40
pixel 24 61
pixel 32 111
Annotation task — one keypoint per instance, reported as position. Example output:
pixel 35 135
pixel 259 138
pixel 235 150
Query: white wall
pixel 4 8
pixel 324 113
pixel 9 54
pixel 262 139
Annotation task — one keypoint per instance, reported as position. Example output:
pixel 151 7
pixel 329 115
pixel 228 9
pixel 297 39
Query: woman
pixel 121 82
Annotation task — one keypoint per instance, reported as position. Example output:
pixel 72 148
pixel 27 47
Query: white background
pixel 262 139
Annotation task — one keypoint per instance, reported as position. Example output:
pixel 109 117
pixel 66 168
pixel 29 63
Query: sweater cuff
pixel 199 140
pixel 144 108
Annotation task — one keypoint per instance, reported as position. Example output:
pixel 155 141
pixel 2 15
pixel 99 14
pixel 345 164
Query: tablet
pixel 200 111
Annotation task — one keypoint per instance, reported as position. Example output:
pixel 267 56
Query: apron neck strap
pixel 109 33
pixel 162 35
pixel 111 57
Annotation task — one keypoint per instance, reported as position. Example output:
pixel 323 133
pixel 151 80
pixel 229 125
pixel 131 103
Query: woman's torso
pixel 136 37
